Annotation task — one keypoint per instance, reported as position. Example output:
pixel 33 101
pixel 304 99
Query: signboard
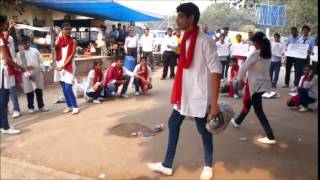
pixel 314 56
pixel 297 50
pixel 239 49
pixel 270 15
pixel 223 50
pixel 277 49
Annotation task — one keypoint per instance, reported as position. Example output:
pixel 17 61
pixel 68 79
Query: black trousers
pixel 256 102
pixel 315 67
pixel 39 96
pixel 298 69
pixel 169 59
pixel 290 61
pixel 132 52
pixel 225 66
pixel 149 56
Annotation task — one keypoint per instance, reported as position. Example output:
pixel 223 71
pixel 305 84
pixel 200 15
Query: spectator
pixel 147 43
pixel 169 43
pixel 232 86
pixel 275 64
pixel 143 70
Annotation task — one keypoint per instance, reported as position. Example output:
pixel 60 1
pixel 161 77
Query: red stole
pixel 97 77
pixel 114 73
pixel 185 61
pixel 5 43
pixel 143 84
pixel 63 42
pixel 232 70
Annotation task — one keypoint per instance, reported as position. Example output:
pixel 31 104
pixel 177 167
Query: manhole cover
pixel 126 129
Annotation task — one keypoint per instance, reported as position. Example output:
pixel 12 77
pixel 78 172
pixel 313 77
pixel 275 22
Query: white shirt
pixel 220 45
pixel 312 86
pixel 91 75
pixel 9 81
pixel 227 40
pixel 32 56
pixel 11 47
pixel 196 86
pixel 258 72
pixel 131 42
pixel 172 41
pixel 101 39
pixel 146 43
pixel 137 68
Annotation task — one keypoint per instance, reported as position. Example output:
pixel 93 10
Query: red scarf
pixel 97 78
pixel 113 74
pixel 63 42
pixel 5 42
pixel 233 69
pixel 185 61
pixel 143 85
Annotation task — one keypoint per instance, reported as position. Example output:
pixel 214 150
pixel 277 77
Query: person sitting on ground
pixel 95 88
pixel 232 86
pixel 143 70
pixel 307 96
pixel 116 76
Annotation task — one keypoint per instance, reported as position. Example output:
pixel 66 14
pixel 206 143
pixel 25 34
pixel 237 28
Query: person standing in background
pixel 147 43
pixel 169 43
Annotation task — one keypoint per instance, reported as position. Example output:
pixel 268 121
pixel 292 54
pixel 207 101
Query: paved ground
pixel 56 146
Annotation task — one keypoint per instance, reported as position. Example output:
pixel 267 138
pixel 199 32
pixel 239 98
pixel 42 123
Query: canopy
pixel 101 9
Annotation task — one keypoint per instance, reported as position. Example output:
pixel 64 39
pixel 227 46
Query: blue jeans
pixel 274 72
pixel 4 99
pixel 68 94
pixel 174 124
pixel 235 84
pixel 114 88
pixel 14 98
pixel 305 99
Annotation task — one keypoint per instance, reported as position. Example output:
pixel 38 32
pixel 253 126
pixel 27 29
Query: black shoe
pixel 172 77
pixel 285 86
pixel 163 78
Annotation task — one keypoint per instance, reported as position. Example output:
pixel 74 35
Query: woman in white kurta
pixel 33 78
pixel 195 89
pixel 65 71
pixel 256 70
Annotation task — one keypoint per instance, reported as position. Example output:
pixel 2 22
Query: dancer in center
pixel 195 89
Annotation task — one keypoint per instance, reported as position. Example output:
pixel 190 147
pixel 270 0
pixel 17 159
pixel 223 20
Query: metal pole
pixel 53 49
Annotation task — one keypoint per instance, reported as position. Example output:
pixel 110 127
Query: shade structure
pixel 101 9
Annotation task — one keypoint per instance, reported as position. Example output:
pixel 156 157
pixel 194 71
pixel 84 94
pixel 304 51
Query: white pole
pixel 268 32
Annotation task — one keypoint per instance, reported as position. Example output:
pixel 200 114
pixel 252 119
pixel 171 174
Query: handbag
pixel 218 124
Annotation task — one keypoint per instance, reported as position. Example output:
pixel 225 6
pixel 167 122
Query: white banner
pixel 277 49
pixel 23 26
pixel 223 51
pixel 297 50
pixel 239 49
pixel 314 56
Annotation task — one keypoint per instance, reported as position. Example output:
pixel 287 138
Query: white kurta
pixel 63 75
pixel 31 57
pixel 196 84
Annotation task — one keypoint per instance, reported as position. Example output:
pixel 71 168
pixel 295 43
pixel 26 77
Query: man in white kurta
pixel 200 86
pixel 33 79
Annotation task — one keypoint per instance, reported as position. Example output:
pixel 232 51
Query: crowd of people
pixel 202 65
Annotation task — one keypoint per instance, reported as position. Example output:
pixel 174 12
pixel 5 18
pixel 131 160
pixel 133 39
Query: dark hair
pixel 306 27
pixel 103 26
pixel 239 35
pixel 294 28
pixel 222 35
pixel 218 30
pixel 190 9
pixel 3 19
pixel 95 63
pixel 233 59
pixel 262 39
pixel 143 57
pixel 65 25
pixel 146 29
pixel 169 29
pixel 226 28
pixel 25 39
pixel 250 32
pixel 309 66
pixel 277 34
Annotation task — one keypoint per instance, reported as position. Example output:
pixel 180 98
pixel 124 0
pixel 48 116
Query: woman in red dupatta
pixel 144 82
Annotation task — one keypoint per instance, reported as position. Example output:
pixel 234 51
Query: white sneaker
pixel 266 140
pixel 234 123
pixel 44 109
pixel 206 173
pixel 113 93
pixel 75 110
pixel 96 101
pixel 66 110
pixel 303 109
pixel 16 114
pixel 235 96
pixel 137 93
pixel 158 167
pixel 30 111
pixel 124 96
pixel 11 131
pixel 293 89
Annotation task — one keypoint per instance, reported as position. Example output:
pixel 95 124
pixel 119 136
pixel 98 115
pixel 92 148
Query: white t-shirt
pixel 131 42
pixel 147 43
pixel 8 83
pixel 172 41
pixel 90 78
pixel 137 68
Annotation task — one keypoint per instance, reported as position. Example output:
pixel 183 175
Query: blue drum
pixel 129 63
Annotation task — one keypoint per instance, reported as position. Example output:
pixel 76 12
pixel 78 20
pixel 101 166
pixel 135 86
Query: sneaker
pixel 96 101
pixel 30 111
pixel 124 96
pixel 137 93
pixel 285 86
pixel 44 109
pixel 113 93
pixel 16 114
pixel 206 173
pixel 234 123
pixel 293 89
pixel 303 109
pixel 266 140
pixel 236 96
pixel 66 110
pixel 75 110
pixel 158 167
pixel 11 131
